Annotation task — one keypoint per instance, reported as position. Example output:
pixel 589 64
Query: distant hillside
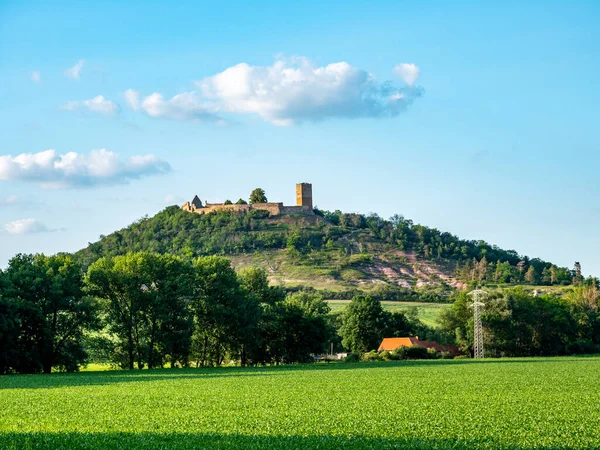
pixel 333 252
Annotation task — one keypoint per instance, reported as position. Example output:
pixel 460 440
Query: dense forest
pixel 312 241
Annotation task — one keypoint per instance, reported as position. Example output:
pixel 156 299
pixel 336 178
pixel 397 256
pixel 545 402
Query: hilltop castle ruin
pixel 304 204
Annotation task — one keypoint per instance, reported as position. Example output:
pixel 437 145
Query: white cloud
pixel 287 92
pixel 10 200
pixel 296 90
pixel 36 77
pixel 73 72
pixel 26 226
pixel 185 106
pixel 132 98
pixel 98 167
pixel 98 104
pixel 407 72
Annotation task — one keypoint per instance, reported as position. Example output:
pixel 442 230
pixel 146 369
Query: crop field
pixel 511 403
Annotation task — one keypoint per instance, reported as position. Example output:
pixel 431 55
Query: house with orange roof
pixel 391 344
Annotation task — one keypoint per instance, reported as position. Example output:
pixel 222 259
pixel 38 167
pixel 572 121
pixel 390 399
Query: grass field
pixel 428 312
pixel 517 403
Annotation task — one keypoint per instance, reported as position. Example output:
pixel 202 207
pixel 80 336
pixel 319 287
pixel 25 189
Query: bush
pixel 372 356
pixel 413 352
pixel 259 214
pixel 352 358
pixel 352 275
pixel 361 259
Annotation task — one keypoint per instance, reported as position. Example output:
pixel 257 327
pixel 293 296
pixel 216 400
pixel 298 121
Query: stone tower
pixel 304 195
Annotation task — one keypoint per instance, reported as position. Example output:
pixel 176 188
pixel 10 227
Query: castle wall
pixel 303 201
pixel 212 207
pixel 297 210
pixel 273 208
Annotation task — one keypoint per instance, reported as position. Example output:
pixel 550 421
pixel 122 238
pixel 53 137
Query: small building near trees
pixel 391 344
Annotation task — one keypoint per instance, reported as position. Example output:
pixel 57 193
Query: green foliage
pixel 241 201
pixel 518 323
pixel 325 406
pixel 413 352
pixel 228 202
pixel 258 196
pixel 44 314
pixel 330 243
pixel 352 357
pixel 363 324
pixel 143 296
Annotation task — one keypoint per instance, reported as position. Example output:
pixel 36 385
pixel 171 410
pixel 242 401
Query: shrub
pixel 259 214
pixel 352 275
pixel 413 352
pixel 361 258
pixel 352 358
pixel 372 356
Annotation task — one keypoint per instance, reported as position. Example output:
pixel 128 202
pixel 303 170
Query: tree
pixel 223 318
pixel 363 324
pixel 258 196
pixel 482 269
pixel 228 202
pixel 553 274
pixel 145 298
pixel 521 267
pixel 241 201
pixel 531 275
pixel 578 278
pixel 119 282
pixel 256 282
pixel 50 309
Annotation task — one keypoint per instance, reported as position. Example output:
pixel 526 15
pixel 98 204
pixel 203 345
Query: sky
pixel 477 118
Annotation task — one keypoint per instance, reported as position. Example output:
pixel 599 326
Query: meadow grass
pixel 512 403
pixel 428 312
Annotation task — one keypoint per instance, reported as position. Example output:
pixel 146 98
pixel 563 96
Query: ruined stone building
pixel 304 204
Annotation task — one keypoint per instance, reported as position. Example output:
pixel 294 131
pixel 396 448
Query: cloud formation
pixel 98 167
pixel 287 92
pixel 26 226
pixel 132 98
pixel 185 106
pixel 407 72
pixel 36 77
pixel 296 90
pixel 73 72
pixel 98 104
pixel 10 200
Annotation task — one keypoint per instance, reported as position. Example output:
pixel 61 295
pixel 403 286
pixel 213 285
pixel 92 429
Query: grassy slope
pixel 428 312
pixel 339 268
pixel 517 403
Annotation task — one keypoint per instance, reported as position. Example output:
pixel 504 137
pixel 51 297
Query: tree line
pixel 147 310
pixel 520 323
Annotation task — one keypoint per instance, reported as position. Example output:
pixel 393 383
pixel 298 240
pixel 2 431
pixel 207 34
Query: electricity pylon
pixel 478 295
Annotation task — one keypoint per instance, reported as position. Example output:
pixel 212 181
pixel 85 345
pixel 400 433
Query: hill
pixel 333 252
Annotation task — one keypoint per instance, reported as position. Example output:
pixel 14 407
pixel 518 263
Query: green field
pixel 428 312
pixel 516 403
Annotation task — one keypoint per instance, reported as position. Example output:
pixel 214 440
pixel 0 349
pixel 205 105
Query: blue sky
pixel 488 127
